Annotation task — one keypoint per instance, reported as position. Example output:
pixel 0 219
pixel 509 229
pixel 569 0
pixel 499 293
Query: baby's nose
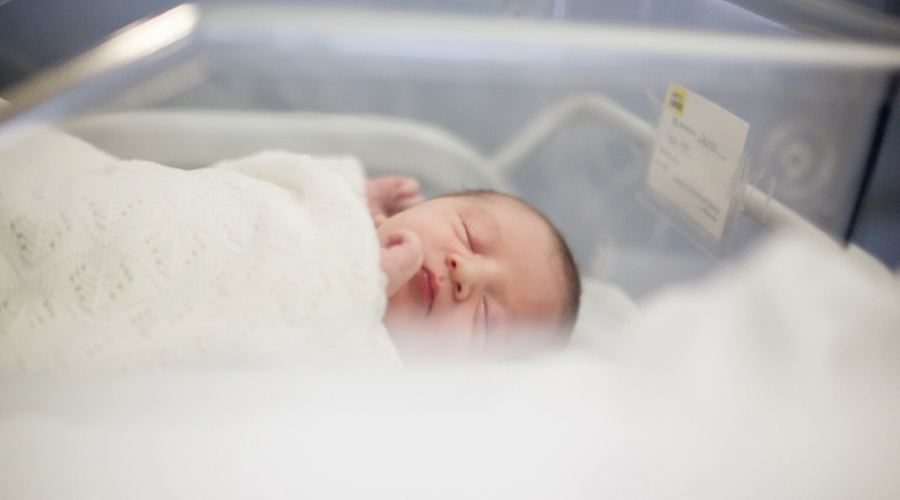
pixel 464 275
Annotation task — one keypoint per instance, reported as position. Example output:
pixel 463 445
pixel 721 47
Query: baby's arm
pixel 401 252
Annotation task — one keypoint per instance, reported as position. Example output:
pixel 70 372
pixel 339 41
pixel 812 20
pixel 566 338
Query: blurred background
pixel 38 34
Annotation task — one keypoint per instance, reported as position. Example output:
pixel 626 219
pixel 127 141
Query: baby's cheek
pixel 403 309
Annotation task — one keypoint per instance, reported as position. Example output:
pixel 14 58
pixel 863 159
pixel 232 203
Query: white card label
pixel 696 157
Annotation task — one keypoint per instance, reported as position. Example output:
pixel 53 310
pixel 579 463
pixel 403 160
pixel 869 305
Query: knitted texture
pixel 108 264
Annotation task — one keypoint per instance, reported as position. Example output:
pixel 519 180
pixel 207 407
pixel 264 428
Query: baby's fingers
pixel 405 186
pixel 405 203
pixel 404 195
pixel 386 194
pixel 401 258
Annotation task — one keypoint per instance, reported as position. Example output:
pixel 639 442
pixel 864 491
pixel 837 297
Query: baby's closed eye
pixel 462 231
pixel 471 239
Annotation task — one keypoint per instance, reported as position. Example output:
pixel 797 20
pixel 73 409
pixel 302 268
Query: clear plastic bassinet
pixel 561 113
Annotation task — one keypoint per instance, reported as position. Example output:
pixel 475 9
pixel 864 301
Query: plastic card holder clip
pixel 698 169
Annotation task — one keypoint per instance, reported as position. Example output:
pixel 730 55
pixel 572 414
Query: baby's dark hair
pixel 571 275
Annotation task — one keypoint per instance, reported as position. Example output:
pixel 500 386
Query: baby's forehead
pixel 510 212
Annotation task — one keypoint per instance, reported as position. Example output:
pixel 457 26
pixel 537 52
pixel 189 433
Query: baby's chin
pixel 426 338
pixel 422 342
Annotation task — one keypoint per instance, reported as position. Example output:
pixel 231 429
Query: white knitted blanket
pixel 111 264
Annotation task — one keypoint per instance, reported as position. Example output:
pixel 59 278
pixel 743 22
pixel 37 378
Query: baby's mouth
pixel 427 287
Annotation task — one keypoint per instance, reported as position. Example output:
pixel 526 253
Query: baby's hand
pixel 401 258
pixel 391 195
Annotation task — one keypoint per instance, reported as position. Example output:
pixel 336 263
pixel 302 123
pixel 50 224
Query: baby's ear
pixel 379 220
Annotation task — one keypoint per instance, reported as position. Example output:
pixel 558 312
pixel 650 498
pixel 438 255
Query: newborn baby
pixel 109 264
pixel 473 274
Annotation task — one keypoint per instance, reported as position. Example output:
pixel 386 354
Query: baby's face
pixel 490 282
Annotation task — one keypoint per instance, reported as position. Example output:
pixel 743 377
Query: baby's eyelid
pixel 468 236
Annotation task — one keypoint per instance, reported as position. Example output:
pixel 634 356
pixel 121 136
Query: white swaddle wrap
pixel 110 264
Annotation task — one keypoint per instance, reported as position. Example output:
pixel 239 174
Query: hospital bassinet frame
pixel 196 138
